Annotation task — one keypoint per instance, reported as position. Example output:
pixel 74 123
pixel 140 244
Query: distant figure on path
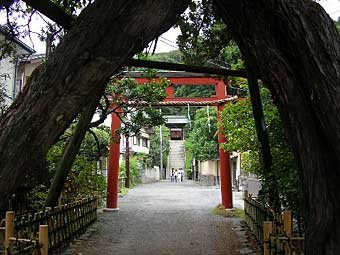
pixel 176 174
pixel 182 176
pixel 172 173
pixel 179 176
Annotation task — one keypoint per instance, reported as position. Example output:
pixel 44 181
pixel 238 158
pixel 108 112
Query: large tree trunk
pixel 295 48
pixel 105 35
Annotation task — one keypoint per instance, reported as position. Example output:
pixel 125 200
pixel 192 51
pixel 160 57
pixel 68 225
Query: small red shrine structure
pixel 184 79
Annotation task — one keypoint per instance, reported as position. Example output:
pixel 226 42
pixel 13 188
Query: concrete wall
pixel 209 180
pixel 210 167
pixel 148 174
pixel 209 172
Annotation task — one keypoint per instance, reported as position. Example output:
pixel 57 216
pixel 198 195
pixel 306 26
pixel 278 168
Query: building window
pixel 139 141
pixel 135 140
pixel 145 142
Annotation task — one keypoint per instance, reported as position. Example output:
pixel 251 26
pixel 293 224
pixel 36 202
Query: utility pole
pixel 161 148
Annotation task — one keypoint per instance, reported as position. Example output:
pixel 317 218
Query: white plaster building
pixel 138 144
pixel 9 66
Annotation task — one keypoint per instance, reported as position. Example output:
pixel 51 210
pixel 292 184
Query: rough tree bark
pixel 295 48
pixel 105 35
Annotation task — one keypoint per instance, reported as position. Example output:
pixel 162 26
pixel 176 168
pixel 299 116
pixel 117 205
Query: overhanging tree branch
pixel 52 11
pixel 186 68
pixel 104 112
pixel 55 13
pixel 96 140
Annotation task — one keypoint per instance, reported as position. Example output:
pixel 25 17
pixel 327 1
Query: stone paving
pixel 165 218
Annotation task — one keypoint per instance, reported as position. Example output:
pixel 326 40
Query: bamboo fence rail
pixel 49 229
pixel 273 232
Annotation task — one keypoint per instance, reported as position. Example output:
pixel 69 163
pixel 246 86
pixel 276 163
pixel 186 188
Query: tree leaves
pixel 202 142
pixel 239 127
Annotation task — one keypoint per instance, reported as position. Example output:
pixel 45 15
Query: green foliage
pixel 337 23
pixel 144 159
pixel 154 150
pixel 124 191
pixel 202 142
pixel 135 101
pixel 72 6
pixel 239 127
pixel 194 91
pixel 203 36
pixel 133 170
pixel 38 196
pixel 174 56
pixel 95 147
pixel 83 179
pixel 234 213
pixel 188 162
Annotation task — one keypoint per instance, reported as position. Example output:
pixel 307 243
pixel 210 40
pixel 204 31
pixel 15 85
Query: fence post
pixel 267 230
pixel 287 222
pixel 9 229
pixel 96 195
pixel 43 239
pixel 245 194
pixel 245 205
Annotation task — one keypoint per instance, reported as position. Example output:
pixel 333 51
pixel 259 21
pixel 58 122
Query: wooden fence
pixel 49 229
pixel 255 214
pixel 273 232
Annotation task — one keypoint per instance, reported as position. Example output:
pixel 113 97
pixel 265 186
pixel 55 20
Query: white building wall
pixel 7 77
pixel 8 70
pixel 136 144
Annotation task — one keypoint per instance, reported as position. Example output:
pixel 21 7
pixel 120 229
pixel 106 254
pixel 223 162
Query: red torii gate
pixel 176 78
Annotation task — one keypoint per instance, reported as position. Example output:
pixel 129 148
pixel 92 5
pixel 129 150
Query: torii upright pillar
pixel 114 153
pixel 225 175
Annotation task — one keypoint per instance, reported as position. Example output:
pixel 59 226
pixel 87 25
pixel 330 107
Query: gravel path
pixel 162 218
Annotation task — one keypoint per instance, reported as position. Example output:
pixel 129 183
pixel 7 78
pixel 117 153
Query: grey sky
pixel 167 41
